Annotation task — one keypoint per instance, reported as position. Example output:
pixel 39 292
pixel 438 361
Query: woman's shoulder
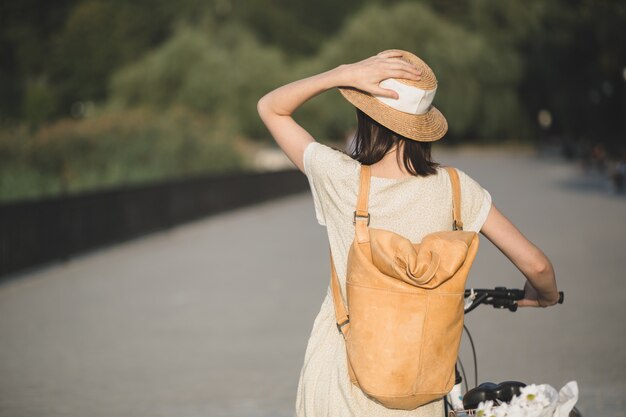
pixel 465 178
pixel 332 175
pixel 321 159
pixel 475 201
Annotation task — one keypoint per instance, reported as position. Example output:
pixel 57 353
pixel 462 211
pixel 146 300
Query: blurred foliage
pixel 75 44
pixel 110 84
pixel 217 71
pixel 576 68
pixel 114 148
pixel 477 77
pixel 39 103
pixel 297 27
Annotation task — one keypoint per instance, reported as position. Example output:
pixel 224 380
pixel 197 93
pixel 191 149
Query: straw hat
pixel 412 114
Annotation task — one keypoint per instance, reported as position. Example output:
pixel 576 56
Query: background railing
pixel 38 231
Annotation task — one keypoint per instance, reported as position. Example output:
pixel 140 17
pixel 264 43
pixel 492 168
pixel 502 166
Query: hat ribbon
pixel 410 99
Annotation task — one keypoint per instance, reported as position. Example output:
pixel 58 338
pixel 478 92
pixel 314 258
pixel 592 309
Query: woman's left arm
pixel 276 107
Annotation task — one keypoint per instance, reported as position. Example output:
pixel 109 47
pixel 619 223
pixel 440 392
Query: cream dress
pixel 412 207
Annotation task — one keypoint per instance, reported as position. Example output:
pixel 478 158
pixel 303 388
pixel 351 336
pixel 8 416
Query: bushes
pixel 121 147
pixel 218 72
pixel 224 70
pixel 477 77
pixel 176 109
pixel 174 112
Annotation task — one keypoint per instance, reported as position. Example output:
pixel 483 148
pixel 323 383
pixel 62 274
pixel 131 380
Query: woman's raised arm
pixel 277 106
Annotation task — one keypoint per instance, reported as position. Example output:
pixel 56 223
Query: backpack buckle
pixel 340 325
pixel 361 217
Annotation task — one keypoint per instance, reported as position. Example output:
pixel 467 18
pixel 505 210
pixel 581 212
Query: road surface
pixel 212 318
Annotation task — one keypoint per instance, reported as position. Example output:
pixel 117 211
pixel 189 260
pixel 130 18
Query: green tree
pixel 26 29
pixel 575 69
pixel 98 37
pixel 477 78
pixel 221 71
pixel 39 103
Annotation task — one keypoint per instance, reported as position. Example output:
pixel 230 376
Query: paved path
pixel 212 318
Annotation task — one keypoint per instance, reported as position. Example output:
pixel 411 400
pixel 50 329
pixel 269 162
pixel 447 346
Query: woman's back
pixel 411 207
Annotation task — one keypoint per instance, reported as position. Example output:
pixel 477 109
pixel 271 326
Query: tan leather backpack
pixel 405 318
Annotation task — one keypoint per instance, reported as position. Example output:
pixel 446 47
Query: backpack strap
pixel 361 222
pixel 341 313
pixel 361 218
pixel 456 198
pixel 364 192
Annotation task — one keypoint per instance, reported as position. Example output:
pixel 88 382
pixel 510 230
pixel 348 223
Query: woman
pixel 410 194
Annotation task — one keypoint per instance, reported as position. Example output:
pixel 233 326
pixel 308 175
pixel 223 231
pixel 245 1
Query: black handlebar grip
pixel 561 297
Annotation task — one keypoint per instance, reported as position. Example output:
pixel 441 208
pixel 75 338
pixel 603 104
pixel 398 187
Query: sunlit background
pixel 205 318
pixel 101 93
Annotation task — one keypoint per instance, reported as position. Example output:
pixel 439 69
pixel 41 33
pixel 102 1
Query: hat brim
pixel 427 127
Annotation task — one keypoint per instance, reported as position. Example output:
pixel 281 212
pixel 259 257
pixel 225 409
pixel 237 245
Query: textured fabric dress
pixel 412 207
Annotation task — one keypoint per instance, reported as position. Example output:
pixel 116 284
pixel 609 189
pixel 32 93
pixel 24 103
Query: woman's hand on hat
pixel 368 73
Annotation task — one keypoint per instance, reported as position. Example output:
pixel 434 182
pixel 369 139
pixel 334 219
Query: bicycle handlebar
pixel 499 297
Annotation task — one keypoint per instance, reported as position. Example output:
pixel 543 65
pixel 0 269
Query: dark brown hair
pixel 373 140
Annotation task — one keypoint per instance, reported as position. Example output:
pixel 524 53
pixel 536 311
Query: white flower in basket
pixel 534 401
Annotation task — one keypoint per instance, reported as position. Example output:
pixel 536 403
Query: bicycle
pixel 457 405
